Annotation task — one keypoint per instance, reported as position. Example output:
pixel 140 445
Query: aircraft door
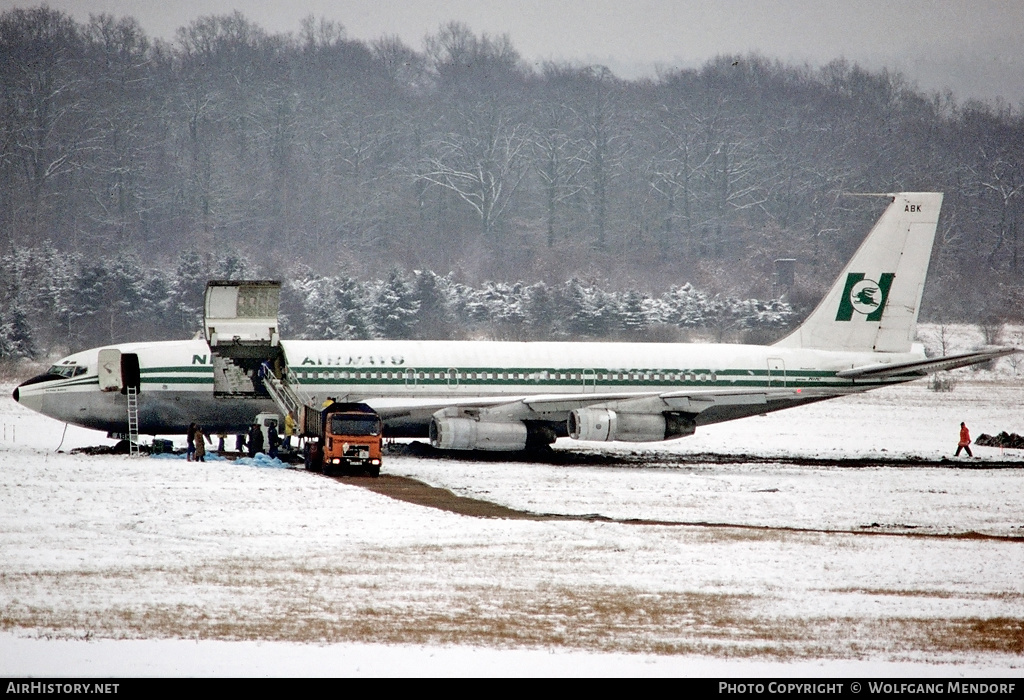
pixel 109 369
pixel 130 373
pixel 776 372
pixel 589 381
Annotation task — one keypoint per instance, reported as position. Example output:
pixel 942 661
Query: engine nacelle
pixel 592 424
pixel 451 433
pixel 604 424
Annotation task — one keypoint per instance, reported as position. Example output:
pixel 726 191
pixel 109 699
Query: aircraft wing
pixel 926 366
pixel 398 407
pixel 556 406
pixel 687 401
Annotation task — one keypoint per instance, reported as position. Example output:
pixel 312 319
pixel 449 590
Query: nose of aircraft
pixel 28 399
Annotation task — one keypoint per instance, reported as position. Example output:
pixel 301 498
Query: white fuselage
pixel 407 381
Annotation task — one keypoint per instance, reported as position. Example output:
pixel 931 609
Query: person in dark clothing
pixel 255 440
pixel 190 438
pixel 274 440
pixel 240 443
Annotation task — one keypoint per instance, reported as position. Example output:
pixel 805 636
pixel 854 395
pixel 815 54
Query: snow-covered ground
pixel 121 566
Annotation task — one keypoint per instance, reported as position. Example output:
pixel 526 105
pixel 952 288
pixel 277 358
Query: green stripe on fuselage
pixel 177 380
pixel 531 377
pixel 185 368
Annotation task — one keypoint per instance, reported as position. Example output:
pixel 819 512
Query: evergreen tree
pixel 540 310
pixel 126 296
pixel 191 275
pixel 353 310
pixel 634 313
pixel 395 307
pixel 16 334
pixel 305 297
pixel 433 317
pixel 89 291
pixel 158 301
pixel 232 267
pixel 335 308
pixel 591 312
pixel 686 307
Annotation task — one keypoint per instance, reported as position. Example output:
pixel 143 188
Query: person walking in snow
pixel 965 441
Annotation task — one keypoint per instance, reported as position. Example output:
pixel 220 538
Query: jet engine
pixel 455 433
pixel 604 424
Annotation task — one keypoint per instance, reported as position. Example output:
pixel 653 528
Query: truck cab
pixel 347 439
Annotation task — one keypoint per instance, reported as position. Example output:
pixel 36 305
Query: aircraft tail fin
pixel 873 305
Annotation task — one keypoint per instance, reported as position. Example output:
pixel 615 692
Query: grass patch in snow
pixel 330 606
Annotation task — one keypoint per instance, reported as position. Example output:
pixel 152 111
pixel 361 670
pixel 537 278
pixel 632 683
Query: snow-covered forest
pixel 57 302
pixel 136 169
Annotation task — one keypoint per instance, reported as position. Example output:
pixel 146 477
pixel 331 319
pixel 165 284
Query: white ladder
pixel 133 421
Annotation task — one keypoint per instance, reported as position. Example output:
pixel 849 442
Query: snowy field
pixel 143 567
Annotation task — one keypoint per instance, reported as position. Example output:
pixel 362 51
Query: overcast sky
pixel 974 48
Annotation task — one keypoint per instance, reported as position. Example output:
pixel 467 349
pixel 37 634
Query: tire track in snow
pixel 418 493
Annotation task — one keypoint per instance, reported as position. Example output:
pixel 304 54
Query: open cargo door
pixel 241 313
pixel 240 323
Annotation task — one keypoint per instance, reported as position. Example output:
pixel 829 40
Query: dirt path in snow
pixel 402 488
pixel 412 491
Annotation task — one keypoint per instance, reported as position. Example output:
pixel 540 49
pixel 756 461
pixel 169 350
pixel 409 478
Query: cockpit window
pixel 67 371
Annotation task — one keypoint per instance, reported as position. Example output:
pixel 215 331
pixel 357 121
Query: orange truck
pixel 343 437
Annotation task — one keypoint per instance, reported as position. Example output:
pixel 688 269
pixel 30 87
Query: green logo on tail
pixel 864 296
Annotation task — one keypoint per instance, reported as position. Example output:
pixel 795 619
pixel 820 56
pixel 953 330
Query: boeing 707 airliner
pixel 509 396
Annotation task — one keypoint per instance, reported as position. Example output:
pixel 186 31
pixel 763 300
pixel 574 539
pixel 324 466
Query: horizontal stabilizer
pixel 923 367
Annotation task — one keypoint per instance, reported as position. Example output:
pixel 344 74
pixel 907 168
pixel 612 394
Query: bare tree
pixel 405 67
pixel 121 120
pixel 675 163
pixel 465 64
pixel 483 162
pixel 559 159
pixel 43 112
pixel 597 109
pixel 1004 178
